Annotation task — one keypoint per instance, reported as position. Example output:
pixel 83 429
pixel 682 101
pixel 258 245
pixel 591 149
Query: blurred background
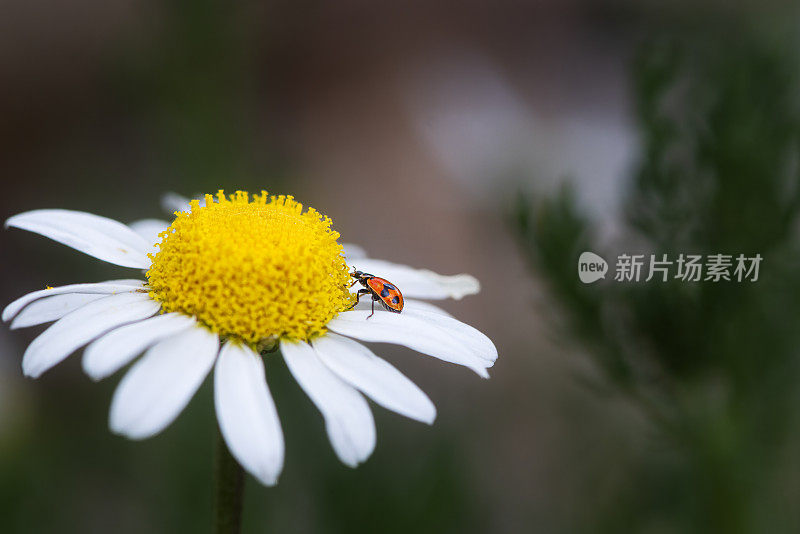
pixel 500 139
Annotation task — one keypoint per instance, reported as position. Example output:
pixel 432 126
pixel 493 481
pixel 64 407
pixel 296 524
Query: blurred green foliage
pixel 714 367
pixel 65 472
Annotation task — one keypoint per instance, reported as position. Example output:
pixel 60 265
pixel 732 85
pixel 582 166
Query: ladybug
pixel 380 289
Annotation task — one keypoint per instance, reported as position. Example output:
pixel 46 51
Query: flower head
pixel 252 270
pixel 227 275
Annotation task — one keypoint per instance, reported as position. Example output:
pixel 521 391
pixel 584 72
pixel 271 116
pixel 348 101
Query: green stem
pixel 228 490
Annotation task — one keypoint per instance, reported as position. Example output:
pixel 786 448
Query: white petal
pixel 358 366
pixel 410 331
pixel 51 309
pixel 409 304
pixel 83 325
pixel 246 413
pixel 353 252
pixel 108 354
pixel 348 419
pixel 100 288
pixel 476 340
pixel 96 236
pixel 149 229
pixel 420 283
pixel 480 344
pixel 172 202
pixel 413 305
pixel 160 385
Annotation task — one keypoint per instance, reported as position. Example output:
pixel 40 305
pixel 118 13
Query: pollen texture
pixel 256 270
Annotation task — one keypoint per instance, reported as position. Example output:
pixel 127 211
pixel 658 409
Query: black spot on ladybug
pixel 384 292
pixel 395 300
pixel 390 286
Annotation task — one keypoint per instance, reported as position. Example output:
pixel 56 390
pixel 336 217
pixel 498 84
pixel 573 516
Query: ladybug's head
pixel 360 275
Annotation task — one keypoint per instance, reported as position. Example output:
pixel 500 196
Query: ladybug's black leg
pixel 373 307
pixel 355 282
pixel 358 297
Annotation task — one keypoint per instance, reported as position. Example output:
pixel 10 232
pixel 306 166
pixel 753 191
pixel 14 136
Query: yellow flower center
pixel 255 270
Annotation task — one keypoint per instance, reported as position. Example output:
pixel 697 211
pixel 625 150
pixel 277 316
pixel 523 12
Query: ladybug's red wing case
pixel 387 292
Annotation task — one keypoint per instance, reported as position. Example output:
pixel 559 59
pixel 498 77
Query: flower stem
pixel 228 490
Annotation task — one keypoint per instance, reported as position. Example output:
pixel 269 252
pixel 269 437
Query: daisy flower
pixel 232 277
